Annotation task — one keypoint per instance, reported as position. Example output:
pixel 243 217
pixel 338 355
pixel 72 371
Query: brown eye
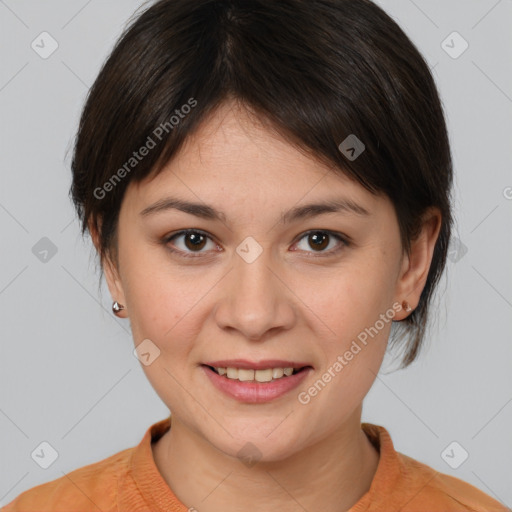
pixel 186 243
pixel 194 241
pixel 320 240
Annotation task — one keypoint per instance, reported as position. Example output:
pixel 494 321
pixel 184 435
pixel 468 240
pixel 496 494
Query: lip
pixel 255 392
pixel 244 364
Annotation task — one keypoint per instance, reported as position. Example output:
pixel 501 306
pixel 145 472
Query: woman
pixel 267 185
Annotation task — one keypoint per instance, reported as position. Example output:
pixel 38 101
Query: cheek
pixel 164 308
pixel 350 360
pixel 348 301
pixel 352 316
pixel 164 301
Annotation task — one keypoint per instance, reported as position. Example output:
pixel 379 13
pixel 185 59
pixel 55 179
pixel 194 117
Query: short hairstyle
pixel 314 71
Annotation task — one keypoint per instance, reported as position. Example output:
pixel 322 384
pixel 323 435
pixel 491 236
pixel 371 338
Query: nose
pixel 255 299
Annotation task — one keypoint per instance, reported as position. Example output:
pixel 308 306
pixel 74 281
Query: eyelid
pixel 344 239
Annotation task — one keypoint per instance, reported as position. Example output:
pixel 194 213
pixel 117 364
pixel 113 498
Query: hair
pixel 315 71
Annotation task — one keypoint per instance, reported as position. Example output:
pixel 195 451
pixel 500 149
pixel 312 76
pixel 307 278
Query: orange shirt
pixel 129 481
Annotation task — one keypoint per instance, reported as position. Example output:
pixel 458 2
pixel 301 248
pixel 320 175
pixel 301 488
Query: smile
pixel 250 375
pixel 252 385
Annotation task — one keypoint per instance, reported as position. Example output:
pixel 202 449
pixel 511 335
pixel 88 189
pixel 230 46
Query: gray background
pixel 68 375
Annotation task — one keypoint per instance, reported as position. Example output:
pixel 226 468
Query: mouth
pixel 256 383
pixel 269 374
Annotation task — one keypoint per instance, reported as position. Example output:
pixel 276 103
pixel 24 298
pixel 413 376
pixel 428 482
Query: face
pixel 258 278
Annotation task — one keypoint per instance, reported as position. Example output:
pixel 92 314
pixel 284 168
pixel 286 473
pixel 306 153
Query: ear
pixel 416 265
pixel 111 272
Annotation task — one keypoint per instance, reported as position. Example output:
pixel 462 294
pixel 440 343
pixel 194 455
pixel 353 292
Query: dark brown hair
pixel 316 71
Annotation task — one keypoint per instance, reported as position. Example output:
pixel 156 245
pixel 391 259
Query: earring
pixel 116 308
pixel 406 306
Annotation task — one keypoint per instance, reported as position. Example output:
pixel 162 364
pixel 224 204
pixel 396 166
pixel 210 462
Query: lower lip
pixel 256 392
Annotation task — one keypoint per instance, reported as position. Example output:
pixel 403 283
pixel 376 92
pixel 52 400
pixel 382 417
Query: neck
pixel 331 475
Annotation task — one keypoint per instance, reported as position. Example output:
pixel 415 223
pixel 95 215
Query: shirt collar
pixel 151 491
pixel 389 470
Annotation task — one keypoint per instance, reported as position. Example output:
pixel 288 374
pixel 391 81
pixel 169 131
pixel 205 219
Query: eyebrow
pixel 299 212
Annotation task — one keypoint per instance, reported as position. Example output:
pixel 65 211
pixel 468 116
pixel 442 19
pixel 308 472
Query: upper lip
pixel 244 364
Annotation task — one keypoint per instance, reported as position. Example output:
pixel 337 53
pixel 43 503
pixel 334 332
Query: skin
pixel 294 302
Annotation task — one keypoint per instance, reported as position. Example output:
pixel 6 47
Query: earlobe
pixel 116 288
pixel 416 264
pixel 112 277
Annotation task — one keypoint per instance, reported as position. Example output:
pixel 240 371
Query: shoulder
pixel 406 484
pixel 440 491
pixel 90 487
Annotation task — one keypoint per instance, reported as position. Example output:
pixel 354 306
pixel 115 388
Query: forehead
pixel 235 150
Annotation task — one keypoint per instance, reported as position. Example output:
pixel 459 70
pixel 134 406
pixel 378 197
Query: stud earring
pixel 116 308
pixel 406 306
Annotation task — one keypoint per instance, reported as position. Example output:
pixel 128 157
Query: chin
pixel 257 446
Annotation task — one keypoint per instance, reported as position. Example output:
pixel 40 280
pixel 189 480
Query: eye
pixel 193 241
pixel 320 240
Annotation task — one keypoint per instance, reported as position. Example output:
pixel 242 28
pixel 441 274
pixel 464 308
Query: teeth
pixel 277 373
pixel 244 375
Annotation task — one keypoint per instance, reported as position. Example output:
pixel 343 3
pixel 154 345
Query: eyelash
pixel 343 239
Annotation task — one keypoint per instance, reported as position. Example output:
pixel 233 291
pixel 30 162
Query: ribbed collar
pixel 388 475
pixel 154 493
